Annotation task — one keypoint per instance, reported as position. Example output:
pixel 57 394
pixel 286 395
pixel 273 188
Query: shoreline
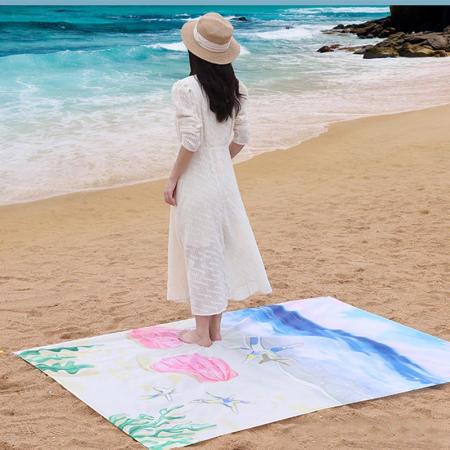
pixel 358 213
pixel 245 157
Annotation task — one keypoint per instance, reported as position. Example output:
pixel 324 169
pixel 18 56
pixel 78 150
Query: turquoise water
pixel 84 91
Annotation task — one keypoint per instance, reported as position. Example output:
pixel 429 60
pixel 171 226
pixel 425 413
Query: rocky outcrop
pixel 411 45
pixel 410 31
pixel 420 17
pixel 372 28
pixel 328 48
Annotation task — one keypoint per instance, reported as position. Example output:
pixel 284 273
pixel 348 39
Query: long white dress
pixel 213 256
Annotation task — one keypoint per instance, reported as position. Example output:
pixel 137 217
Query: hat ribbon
pixel 208 45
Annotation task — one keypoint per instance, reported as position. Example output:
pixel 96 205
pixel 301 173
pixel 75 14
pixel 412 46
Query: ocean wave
pixel 172 46
pixel 158 19
pixel 180 47
pixel 144 24
pixel 74 60
pixel 288 34
pixel 360 10
pixel 187 17
pixel 49 59
pixel 339 10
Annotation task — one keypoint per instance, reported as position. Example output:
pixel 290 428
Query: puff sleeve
pixel 188 121
pixel 241 127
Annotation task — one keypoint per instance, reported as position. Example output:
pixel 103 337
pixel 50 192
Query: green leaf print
pixel 159 433
pixel 56 362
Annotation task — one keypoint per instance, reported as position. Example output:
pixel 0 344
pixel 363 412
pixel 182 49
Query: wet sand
pixel 360 213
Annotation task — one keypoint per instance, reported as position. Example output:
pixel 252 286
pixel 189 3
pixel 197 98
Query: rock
pixel 378 51
pixel 366 36
pixel 420 17
pixel 358 50
pixel 325 49
pixel 414 39
pixel 426 30
pixel 398 35
pixel 438 41
pixel 241 18
pixel 377 29
pixel 361 50
pixel 434 40
pixel 362 31
pixel 415 50
pixel 371 28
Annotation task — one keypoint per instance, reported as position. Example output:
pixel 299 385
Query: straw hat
pixel 210 37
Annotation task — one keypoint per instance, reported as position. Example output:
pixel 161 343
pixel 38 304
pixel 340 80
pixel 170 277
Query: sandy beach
pixel 359 213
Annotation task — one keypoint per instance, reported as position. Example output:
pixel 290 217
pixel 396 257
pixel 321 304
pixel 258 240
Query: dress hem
pixel 241 294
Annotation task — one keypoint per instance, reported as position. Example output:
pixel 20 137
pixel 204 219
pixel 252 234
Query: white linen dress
pixel 213 256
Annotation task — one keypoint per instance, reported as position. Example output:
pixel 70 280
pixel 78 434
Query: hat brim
pixel 187 35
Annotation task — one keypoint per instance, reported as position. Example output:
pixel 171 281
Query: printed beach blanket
pixel 274 362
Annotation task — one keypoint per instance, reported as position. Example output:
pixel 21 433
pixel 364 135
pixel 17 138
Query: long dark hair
pixel 220 85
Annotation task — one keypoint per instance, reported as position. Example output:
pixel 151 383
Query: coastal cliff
pixel 410 31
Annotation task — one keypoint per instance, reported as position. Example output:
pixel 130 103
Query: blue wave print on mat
pixel 292 323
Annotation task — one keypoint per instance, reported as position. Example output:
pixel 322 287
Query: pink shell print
pixel 156 337
pixel 201 367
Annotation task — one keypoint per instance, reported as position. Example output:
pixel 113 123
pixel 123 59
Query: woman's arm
pixel 235 149
pixel 189 127
pixel 241 126
pixel 180 165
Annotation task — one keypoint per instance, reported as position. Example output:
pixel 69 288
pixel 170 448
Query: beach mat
pixel 274 362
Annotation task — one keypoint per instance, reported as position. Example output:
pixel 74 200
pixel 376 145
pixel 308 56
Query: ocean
pixel 85 90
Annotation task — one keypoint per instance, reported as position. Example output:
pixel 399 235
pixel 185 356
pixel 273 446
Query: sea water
pixel 85 90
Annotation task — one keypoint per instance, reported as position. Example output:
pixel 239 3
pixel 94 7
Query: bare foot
pixel 215 335
pixel 191 337
pixel 214 327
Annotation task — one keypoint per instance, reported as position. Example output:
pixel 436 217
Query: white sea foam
pixel 186 19
pixel 173 46
pixel 289 34
pixel 244 50
pixel 360 10
pixel 158 19
pixel 180 47
pixel 342 10
pixel 295 33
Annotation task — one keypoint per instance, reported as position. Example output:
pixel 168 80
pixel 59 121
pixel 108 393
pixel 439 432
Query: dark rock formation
pixel 410 31
pixel 372 28
pixel 420 18
pixel 328 48
pixel 410 45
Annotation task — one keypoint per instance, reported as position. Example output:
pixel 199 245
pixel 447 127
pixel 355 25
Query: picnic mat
pixel 274 362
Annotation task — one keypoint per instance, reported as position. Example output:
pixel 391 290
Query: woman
pixel 213 256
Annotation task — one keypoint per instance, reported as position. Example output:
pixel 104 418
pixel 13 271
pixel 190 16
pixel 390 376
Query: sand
pixel 360 213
